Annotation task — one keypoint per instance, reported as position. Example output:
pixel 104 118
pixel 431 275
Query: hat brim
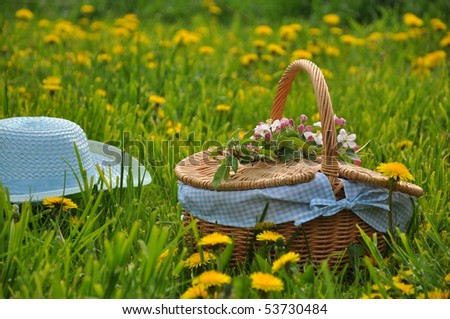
pixel 107 158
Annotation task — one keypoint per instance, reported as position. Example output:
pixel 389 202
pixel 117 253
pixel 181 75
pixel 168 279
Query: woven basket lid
pixel 198 169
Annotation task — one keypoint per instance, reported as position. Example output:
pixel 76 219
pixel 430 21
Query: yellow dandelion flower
pixel 161 113
pixel 260 90
pixel 447 277
pixel 404 144
pixel 375 37
pixel 435 58
pixel 214 9
pixel 276 49
pixel 186 37
pixel 314 48
pixel 353 70
pixel 315 117
pixel 301 54
pixel 223 108
pixel 331 19
pixel 195 260
pixel 288 33
pixel 215 239
pixel 407 289
pixel 445 41
pixel 266 57
pixel 104 57
pixel 438 25
pixel 87 9
pixel 195 292
pixel 248 59
pixel 118 49
pixel 59 202
pixel 395 171
pixel 327 73
pixel 268 235
pixel 332 51
pixel 285 259
pixel 259 44
pixel 411 20
pixel 351 40
pixel 173 128
pixel 152 65
pixel 156 99
pixel 52 83
pixel 296 26
pixel 211 278
pixel 266 282
pixel 110 108
pixel 43 23
pixel 101 92
pixel 206 50
pixel 436 294
pixel 336 31
pixel 373 295
pixel 263 30
pixel 315 31
pixel 265 226
pixel 52 39
pixel 24 14
pixel 400 36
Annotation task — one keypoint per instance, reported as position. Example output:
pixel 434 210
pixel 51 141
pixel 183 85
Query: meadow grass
pixel 161 88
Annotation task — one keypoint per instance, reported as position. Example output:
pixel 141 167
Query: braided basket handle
pixel 329 164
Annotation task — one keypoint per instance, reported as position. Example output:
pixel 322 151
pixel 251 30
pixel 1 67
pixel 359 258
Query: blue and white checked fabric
pixel 299 203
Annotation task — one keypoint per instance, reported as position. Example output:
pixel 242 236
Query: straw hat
pixel 38 159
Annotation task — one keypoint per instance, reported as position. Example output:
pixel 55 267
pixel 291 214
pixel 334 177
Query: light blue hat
pixel 38 159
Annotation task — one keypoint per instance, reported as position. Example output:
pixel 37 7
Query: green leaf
pixel 223 172
pixel 234 163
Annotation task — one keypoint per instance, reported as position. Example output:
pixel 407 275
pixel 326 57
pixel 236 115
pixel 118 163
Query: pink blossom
pixel 339 121
pixel 300 128
pixel 308 128
pixel 284 123
pixel 303 118
pixel 357 162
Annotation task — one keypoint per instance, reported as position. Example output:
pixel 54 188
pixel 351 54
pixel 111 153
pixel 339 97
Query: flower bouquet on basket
pixel 282 141
pixel 294 176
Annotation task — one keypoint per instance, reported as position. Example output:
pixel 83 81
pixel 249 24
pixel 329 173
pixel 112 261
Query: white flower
pixel 276 125
pixel 318 124
pixel 347 140
pixel 261 129
pixel 317 137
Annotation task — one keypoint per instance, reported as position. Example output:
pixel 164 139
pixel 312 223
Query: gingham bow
pixel 369 200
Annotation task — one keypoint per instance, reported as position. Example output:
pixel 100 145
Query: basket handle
pixel 329 164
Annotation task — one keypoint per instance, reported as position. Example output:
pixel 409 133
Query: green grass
pixel 115 246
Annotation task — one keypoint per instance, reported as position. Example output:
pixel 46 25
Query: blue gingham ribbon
pixel 299 203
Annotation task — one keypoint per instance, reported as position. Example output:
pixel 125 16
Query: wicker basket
pixel 323 238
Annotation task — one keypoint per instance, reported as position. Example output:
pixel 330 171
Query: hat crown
pixel 33 148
